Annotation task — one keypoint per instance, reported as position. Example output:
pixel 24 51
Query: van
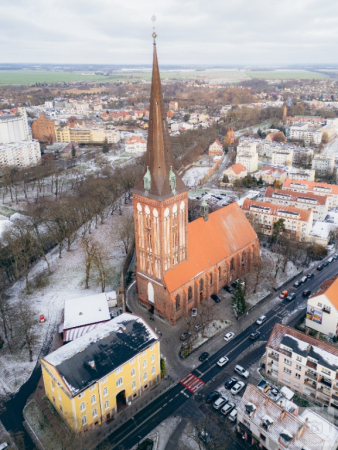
pixel 303 279
pixel 233 415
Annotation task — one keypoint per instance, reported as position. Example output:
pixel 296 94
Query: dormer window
pixel 266 422
pixel 250 409
pixel 285 437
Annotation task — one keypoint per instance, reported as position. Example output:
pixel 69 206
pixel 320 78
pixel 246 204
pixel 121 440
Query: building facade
pixel 282 157
pixel 136 144
pixel 323 189
pixel 248 160
pixel 20 154
pixel 235 172
pixel 14 128
pixel 271 175
pixel 323 164
pixel 43 130
pixel 216 149
pixel 306 365
pixel 93 378
pixel 300 174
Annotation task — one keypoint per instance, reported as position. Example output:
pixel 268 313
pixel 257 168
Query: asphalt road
pixel 130 433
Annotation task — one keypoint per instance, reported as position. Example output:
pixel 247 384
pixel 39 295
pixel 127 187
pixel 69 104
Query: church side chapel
pixel 180 264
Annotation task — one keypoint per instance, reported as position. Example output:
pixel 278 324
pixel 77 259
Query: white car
pixel 233 415
pixel 193 312
pixel 241 371
pixel 221 362
pixel 220 402
pixel 227 408
pixel 229 336
pixel 261 320
pixel 237 388
pixel 4 445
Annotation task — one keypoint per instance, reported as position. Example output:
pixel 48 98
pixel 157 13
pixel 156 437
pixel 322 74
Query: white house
pixel 136 144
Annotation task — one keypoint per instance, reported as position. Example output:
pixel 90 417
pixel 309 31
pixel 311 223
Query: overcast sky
pixel 189 31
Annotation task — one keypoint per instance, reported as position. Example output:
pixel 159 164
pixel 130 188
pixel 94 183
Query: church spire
pixel 164 181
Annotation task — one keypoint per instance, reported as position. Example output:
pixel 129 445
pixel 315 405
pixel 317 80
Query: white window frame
pixel 84 421
pixel 105 391
pixel 153 357
pixel 93 399
pixel 106 405
pixel 119 370
pixel 153 371
pixel 82 406
pixel 119 382
pixel 133 372
pixel 144 364
pixel 94 413
pixel 92 387
pixel 145 376
pixel 134 385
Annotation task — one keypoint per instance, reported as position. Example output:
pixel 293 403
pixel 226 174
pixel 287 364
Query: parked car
pixel 310 275
pixel 330 260
pixel 184 336
pixel 4 445
pixel 193 312
pixel 222 361
pixel 228 289
pixel 213 396
pixel 228 408
pixel 296 284
pixel 233 415
pixel 335 256
pixel 291 296
pixel 215 298
pixel 325 264
pixel 184 345
pixel 198 326
pixel 237 388
pixel 241 371
pixel 220 402
pixel 320 267
pixel 229 336
pixel 263 386
pixel 306 293
pixel 255 335
pixel 261 320
pixel 283 294
pixel 231 382
pixel 204 356
pixel 303 279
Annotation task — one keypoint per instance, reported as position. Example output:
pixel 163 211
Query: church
pixel 180 264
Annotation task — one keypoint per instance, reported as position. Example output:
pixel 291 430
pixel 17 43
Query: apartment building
pixel 322 309
pixel 249 160
pixel 270 175
pixel 302 132
pixel 235 172
pixel 216 148
pixel 247 146
pixel 266 424
pixel 86 135
pixel 262 215
pixel 14 128
pixel 316 203
pixel 323 164
pixel 294 173
pixel 94 377
pixel 304 364
pixel 282 157
pixel 323 189
pixel 20 154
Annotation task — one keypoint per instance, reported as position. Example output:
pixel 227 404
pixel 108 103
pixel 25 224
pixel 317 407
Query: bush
pixel 162 367
pixel 147 444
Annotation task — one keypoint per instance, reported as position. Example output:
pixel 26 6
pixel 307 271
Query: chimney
pixel 302 428
pixel 91 364
pixel 283 414
pixel 204 210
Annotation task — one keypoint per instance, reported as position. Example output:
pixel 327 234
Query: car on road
pixel 213 396
pixel 229 336
pixel 335 256
pixel 231 382
pixel 215 298
pixel 193 312
pixel 241 371
pixel 320 267
pixel 222 361
pixel 330 260
pixel 283 294
pixel 291 296
pixel 4 445
pixel 233 415
pixel 306 293
pixel 310 275
pixel 296 284
pixel 204 356
pixel 198 326
pixel 261 320
pixel 263 385
pixel 184 336
pixel 255 335
pixel 303 279
pixel 237 388
pixel 228 408
pixel 220 402
pixel 228 289
pixel 325 264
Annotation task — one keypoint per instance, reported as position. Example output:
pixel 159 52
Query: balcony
pixel 325 381
pixel 311 364
pixel 311 384
pixel 326 310
pixel 324 400
pixel 274 356
pixel 335 396
pixel 323 391
pixel 311 375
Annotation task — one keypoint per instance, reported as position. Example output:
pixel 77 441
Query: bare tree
pixel 27 322
pixel 125 230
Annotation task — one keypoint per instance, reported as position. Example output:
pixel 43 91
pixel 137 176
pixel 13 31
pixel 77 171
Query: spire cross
pixel 154 35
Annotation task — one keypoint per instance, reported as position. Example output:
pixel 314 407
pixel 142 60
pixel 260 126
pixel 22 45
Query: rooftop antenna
pixel 154 35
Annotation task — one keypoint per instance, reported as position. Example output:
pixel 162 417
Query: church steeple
pixel 164 181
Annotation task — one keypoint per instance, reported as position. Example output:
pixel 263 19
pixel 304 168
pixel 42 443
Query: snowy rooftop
pixel 86 310
pixel 284 425
pixel 322 229
pixel 321 426
pixel 101 351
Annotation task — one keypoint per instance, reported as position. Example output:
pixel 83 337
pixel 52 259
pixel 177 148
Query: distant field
pixel 286 74
pixel 30 77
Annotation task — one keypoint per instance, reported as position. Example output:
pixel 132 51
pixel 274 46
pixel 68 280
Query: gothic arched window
pixel 178 302
pixel 201 285
pixel 189 293
pixel 243 258
pixel 232 264
pixel 210 278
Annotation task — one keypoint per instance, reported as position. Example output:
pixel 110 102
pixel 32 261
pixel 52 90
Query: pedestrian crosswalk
pixel 192 382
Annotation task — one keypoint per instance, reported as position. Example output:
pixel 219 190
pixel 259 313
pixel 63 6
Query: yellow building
pixel 96 376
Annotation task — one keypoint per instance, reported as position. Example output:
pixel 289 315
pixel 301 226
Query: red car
pixel 283 294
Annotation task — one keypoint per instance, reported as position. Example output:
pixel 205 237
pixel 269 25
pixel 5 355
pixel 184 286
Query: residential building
pixel 20 154
pixel 311 120
pixel 324 189
pixel 302 132
pixel 306 365
pixel 248 160
pixel 180 264
pixel 282 157
pixel 322 309
pixel 216 148
pixel 268 425
pixel 235 172
pixel 302 155
pixel 135 144
pixel 91 379
pixel 247 146
pixel 317 203
pixel 173 106
pixel 263 216
pixel 43 130
pixel 99 135
pixel 323 164
pixel 83 135
pixel 14 128
pixel 279 136
pixel 271 175
pixel 294 173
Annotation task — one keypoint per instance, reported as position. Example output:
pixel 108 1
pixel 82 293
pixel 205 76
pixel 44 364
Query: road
pixel 130 433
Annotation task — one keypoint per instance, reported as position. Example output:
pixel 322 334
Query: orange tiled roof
pixel 321 199
pixel 238 168
pixel 271 170
pixel 170 114
pixel 135 139
pixel 222 235
pixel 330 289
pixel 310 185
pixel 303 213
pixel 218 143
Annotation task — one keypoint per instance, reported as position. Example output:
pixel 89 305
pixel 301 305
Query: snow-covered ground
pixel 250 194
pixel 65 282
pixel 192 176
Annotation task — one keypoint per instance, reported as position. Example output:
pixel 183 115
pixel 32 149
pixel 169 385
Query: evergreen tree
pixel 238 300
pixel 105 148
pixel 278 229
pixel 73 151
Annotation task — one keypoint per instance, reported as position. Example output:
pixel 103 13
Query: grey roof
pixel 101 351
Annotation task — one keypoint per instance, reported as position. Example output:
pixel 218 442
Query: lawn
pixel 286 74
pixel 29 77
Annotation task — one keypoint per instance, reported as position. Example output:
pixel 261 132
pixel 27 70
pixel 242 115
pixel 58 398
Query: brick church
pixel 180 264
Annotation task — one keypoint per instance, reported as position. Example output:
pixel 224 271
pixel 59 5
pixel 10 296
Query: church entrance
pixel 121 401
pixel 150 293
